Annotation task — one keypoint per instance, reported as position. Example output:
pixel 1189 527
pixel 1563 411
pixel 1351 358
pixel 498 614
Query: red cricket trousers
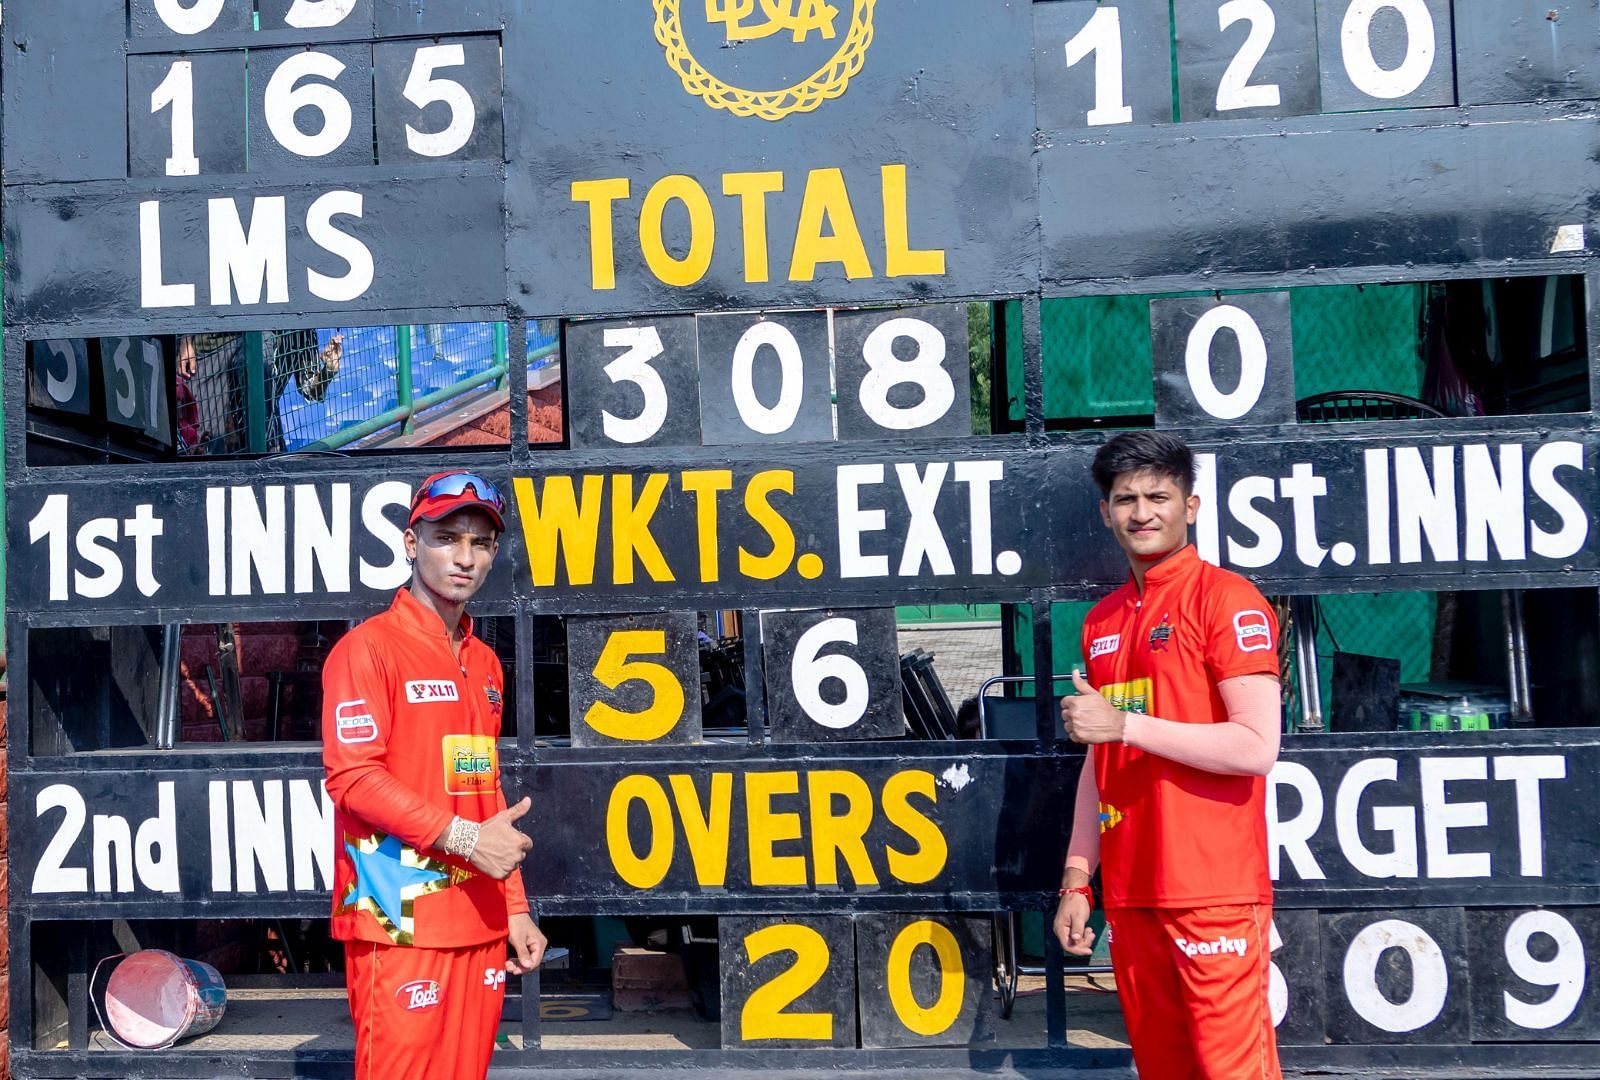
pixel 424 1014
pixel 1193 984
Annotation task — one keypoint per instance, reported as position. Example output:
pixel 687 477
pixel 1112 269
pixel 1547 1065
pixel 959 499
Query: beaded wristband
pixel 462 839
pixel 1083 891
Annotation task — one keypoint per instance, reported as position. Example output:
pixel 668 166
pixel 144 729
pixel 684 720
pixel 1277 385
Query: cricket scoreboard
pixel 762 223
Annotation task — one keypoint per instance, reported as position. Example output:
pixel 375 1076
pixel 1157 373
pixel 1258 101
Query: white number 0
pixel 1252 362
pixel 1355 37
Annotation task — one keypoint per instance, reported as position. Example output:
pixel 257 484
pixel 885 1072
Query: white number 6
pixel 284 99
pixel 808 670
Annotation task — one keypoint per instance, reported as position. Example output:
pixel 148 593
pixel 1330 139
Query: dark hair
pixel 1144 451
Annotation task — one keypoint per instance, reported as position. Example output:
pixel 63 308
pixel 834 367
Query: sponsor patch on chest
pixel 353 722
pixel 418 995
pixel 1105 645
pixel 469 764
pixel 421 691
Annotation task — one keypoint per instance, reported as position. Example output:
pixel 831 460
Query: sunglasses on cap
pixel 451 485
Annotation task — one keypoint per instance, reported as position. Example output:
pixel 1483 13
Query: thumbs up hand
pixel 1090 718
pixel 501 845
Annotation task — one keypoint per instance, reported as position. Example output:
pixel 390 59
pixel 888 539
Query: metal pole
pixel 502 351
pixel 255 393
pixel 1305 656
pixel 167 707
pixel 402 376
pixel 1516 632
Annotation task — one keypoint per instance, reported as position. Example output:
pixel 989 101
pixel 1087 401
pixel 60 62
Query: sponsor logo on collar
pixel 1105 646
pixel 420 691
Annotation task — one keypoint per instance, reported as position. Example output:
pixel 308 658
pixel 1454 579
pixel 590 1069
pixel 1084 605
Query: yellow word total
pixel 825 230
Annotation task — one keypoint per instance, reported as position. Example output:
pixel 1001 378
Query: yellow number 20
pixel 615 668
pixel 763 1016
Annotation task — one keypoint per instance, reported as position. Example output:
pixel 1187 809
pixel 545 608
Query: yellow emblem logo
pixel 752 20
pixel 1110 817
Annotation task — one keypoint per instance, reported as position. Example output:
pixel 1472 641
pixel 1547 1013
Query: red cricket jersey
pixel 408 740
pixel 1171 835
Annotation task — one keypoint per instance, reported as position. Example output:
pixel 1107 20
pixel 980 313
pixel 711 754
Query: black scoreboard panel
pixel 761 225
pixel 1419 506
pixel 748 177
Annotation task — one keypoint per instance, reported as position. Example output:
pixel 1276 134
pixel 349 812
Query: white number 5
pixel 422 90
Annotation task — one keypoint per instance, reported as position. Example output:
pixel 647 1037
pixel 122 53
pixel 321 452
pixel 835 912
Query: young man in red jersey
pixel 1180 710
pixel 427 890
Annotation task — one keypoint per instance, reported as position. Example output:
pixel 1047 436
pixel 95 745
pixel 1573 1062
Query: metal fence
pixel 288 390
pixel 1098 363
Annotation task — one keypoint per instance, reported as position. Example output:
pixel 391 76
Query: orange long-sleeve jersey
pixel 408 741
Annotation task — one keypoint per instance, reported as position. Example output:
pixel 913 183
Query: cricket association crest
pixel 751 20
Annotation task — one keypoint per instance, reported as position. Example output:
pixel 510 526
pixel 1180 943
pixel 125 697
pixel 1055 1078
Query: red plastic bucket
pixel 155 998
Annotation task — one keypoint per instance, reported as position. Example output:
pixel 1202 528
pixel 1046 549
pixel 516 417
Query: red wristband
pixel 1083 891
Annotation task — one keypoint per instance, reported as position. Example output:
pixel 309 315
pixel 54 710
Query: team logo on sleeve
pixel 418 995
pixel 353 722
pixel 469 764
pixel 1104 646
pixel 419 691
pixel 1252 630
